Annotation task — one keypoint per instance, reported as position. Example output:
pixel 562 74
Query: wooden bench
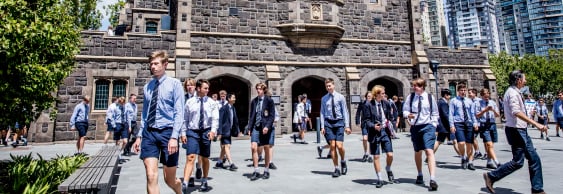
pixel 95 175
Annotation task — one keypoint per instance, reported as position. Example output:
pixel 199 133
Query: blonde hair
pixel 121 100
pixel 377 89
pixel 162 54
pixel 189 81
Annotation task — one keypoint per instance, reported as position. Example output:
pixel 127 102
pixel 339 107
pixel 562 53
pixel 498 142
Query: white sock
pixel 388 168
pixel 197 165
pixel 378 176
pixel 203 180
pixel 219 161
pixel 343 160
pixel 366 153
pixel 266 169
pixel 433 178
pixel 256 170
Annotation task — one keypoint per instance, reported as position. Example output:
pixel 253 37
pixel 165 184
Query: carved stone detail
pixel 316 12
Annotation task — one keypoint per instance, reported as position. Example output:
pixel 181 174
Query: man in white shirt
pixel 517 136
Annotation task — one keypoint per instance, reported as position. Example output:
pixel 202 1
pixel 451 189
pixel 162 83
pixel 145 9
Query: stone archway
pixel 294 77
pixel 237 72
pixel 392 75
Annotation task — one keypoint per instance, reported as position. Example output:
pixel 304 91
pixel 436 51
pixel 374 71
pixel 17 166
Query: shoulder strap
pixel 411 99
pixel 430 103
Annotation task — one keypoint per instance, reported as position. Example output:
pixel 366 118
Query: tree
pixel 38 42
pixel 88 18
pixel 542 73
pixel 113 12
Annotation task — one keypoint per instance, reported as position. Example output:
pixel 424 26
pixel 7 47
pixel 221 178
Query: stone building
pixel 292 45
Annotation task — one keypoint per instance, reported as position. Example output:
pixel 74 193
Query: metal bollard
pixel 318 127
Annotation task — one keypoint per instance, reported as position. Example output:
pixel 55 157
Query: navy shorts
pixel 385 144
pixel 489 132
pixel 334 130
pixel 120 132
pixel 423 137
pixel 560 122
pixel 82 128
pixel 442 137
pixel 110 128
pixel 225 140
pixel 198 142
pixel 272 136
pixel 262 139
pixel 155 145
pixel 464 133
pixel 364 131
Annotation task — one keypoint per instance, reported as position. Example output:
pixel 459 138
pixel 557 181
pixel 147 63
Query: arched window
pixel 101 94
pixel 151 27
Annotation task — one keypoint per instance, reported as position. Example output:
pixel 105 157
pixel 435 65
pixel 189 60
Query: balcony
pixel 305 35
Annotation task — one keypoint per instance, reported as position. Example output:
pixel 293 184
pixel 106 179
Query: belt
pixel 157 129
pixel 204 129
pixel 83 122
pixel 422 124
pixel 515 128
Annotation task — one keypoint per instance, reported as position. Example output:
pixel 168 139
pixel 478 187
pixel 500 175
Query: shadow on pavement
pixel 410 181
pixel 501 190
pixel 322 172
pixel 364 181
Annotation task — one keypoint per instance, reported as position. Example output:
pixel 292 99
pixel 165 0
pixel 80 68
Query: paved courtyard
pixel 301 171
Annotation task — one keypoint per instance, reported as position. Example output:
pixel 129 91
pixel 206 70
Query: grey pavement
pixel 301 171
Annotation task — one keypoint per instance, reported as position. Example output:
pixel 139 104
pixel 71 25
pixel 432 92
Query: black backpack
pixel 429 102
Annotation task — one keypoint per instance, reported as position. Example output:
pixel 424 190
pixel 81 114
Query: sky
pixel 105 19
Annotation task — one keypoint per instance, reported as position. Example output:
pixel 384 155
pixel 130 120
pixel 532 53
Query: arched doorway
pixel 241 91
pixel 392 86
pixel 315 90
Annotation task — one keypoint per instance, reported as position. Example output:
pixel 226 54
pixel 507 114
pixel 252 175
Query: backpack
pixel 429 102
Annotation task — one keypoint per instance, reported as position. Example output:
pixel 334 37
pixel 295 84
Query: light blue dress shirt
pixel 131 112
pixel 340 108
pixel 482 104
pixel 424 116
pixel 169 107
pixel 80 114
pixel 557 109
pixel 456 111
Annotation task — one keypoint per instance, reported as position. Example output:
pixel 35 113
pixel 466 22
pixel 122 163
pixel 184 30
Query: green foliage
pixel 38 42
pixel 542 73
pixel 113 12
pixel 38 175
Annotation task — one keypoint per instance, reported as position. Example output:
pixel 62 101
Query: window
pixel 102 97
pixel 151 27
pixel 373 1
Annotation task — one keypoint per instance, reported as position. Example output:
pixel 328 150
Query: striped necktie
pixel 152 107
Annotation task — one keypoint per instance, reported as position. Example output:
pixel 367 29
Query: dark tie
pixel 487 116
pixel 152 107
pixel 258 112
pixel 465 116
pixel 122 114
pixel 333 107
pixel 86 112
pixel 419 109
pixel 201 113
pixel 380 117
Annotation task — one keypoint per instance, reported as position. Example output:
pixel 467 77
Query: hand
pixel 475 128
pixel 265 130
pixel 411 116
pixel 73 128
pixel 347 131
pixel 377 127
pixel 211 135
pixel 172 146
pixel 323 131
pixel 541 127
pixel 137 145
pixel 452 129
pixel 219 137
pixel 129 129
pixel 184 139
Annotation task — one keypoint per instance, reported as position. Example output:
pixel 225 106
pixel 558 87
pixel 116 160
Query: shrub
pixel 28 175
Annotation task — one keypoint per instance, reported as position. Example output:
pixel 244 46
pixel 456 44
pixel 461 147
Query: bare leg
pixel 222 153
pixel 376 164
pixel 333 152
pixel 151 167
pixel 227 149
pixel 418 161
pixel 389 159
pixel 267 155
pixel 341 151
pixel 205 166
pixel 254 150
pixel 188 169
pixel 431 162
pixel 469 147
pixel 365 143
pixel 171 180
pixel 489 146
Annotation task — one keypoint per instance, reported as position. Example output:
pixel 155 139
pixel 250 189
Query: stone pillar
pixel 274 86
pixel 354 88
pixel 183 38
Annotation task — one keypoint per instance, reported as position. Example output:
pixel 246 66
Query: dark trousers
pixel 132 137
pixel 522 147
